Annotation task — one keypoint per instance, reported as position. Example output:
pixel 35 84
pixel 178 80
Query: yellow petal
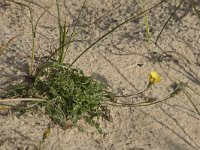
pixel 154 77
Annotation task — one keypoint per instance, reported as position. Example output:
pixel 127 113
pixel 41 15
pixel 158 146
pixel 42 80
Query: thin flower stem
pixel 21 99
pixel 4 46
pixel 33 45
pixel 34 28
pixel 168 21
pixel 187 94
pixel 193 90
pixel 136 104
pixel 133 93
pixel 193 5
pixel 113 29
pixel 74 27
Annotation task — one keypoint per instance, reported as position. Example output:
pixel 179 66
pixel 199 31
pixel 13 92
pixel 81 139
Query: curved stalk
pixel 113 29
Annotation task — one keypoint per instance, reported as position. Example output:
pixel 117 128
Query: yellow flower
pixel 154 77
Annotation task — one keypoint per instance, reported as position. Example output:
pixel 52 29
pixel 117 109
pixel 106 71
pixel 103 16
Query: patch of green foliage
pixel 69 94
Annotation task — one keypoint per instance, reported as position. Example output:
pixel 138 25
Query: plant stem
pixel 136 104
pixel 113 29
pixel 21 99
pixel 145 21
pixel 133 93
pixel 33 45
pixel 193 5
pixel 168 21
pixel 187 94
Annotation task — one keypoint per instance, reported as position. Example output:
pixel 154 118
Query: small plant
pixel 56 89
pixel 69 95
pixel 65 94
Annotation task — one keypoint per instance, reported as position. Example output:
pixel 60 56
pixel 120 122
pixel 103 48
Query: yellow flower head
pixel 154 77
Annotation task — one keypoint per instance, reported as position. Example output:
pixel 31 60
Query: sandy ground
pixel 121 61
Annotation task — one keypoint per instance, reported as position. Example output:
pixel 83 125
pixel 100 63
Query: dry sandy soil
pixel 122 60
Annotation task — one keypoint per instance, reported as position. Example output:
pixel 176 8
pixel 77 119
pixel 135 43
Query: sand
pixel 123 60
